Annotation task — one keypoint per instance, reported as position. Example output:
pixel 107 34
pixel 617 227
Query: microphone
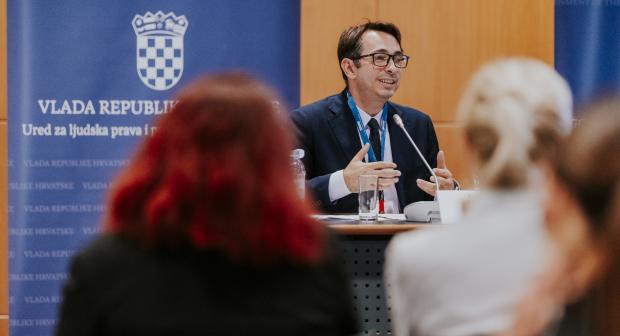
pixel 400 124
pixel 424 211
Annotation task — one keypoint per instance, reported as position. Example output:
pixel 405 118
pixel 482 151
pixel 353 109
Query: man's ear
pixel 349 68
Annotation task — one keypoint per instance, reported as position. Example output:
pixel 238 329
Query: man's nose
pixel 391 67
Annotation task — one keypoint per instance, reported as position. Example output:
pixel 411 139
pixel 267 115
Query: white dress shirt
pixel 337 186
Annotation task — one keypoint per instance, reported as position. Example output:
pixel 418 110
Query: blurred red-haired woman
pixel 207 234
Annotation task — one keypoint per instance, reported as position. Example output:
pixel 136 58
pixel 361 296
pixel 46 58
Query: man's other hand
pixel 446 182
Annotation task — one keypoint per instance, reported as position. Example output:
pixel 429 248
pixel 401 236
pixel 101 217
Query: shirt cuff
pixel 337 187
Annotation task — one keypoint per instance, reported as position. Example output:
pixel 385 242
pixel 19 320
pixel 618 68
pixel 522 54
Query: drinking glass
pixel 368 198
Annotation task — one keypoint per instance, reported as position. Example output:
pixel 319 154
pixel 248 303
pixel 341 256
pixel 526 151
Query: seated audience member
pixel 465 279
pixel 206 232
pixel 583 221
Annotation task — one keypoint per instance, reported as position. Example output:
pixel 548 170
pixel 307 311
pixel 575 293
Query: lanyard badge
pixel 361 128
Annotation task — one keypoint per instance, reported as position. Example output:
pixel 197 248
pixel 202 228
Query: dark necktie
pixel 375 138
pixel 375 142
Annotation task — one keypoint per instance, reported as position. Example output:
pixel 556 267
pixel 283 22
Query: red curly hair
pixel 217 175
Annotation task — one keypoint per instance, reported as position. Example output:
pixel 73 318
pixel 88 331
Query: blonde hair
pixel 515 111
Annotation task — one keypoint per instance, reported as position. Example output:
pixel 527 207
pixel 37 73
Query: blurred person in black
pixel 206 234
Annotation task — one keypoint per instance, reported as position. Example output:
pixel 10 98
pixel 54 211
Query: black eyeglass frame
pixel 390 57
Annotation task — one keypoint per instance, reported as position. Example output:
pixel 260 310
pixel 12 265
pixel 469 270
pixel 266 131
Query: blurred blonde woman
pixel 465 279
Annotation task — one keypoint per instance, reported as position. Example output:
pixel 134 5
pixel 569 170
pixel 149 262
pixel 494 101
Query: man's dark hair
pixel 350 42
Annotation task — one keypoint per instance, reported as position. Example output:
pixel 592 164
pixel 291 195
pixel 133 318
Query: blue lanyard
pixel 361 128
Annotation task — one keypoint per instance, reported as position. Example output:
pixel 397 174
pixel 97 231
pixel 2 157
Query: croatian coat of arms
pixel 159 48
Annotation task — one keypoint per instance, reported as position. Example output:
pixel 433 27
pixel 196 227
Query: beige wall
pixel 4 279
pixel 447 41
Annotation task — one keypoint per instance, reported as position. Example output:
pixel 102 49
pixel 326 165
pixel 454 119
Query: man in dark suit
pixel 338 132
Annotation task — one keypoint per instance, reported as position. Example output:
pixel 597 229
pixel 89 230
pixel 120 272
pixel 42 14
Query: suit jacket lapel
pixel 342 125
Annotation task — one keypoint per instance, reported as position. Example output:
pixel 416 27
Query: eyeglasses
pixel 383 59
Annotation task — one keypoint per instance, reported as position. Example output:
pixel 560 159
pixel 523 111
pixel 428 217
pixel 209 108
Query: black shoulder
pixel 319 107
pixel 107 246
pixel 107 254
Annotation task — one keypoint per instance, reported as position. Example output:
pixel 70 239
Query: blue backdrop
pixel 587 46
pixel 85 81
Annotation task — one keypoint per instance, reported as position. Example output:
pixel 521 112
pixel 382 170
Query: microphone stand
pixel 424 211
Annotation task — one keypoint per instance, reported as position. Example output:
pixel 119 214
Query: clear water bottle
pixel 299 171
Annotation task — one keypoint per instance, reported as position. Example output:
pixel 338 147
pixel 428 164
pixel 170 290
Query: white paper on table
pixel 355 217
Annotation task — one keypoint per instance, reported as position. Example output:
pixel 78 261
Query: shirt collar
pixel 366 117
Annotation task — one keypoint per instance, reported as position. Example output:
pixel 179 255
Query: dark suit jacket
pixel 329 137
pixel 118 288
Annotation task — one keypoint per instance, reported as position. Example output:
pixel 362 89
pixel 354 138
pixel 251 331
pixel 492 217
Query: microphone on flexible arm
pixel 423 211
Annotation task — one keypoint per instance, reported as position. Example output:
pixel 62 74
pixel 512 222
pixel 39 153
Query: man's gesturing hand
pixel 443 174
pixel 385 170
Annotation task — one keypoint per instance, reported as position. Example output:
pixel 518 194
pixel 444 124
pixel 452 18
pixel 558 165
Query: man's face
pixel 372 81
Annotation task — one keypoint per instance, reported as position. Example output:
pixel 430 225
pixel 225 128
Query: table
pixel 374 229
pixel 364 248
